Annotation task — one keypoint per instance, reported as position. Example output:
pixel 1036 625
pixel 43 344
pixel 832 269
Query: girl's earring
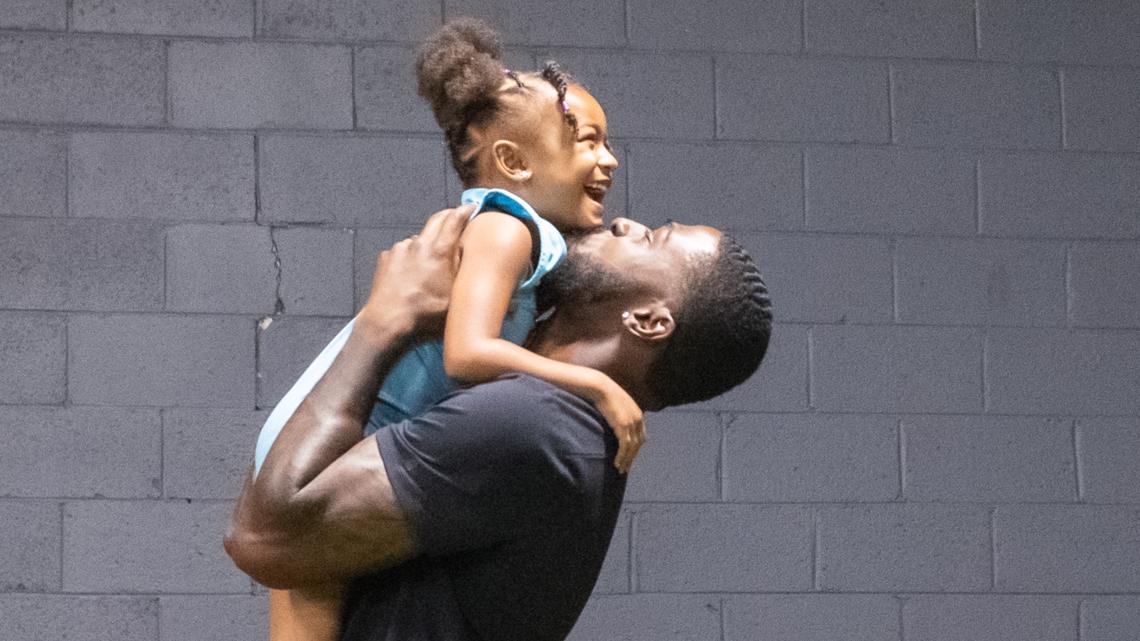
pixel 624 315
pixel 525 174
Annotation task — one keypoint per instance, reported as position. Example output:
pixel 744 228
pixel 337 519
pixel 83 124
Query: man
pixel 489 516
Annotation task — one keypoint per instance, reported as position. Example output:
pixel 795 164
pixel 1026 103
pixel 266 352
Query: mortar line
pixel 977 30
pixel 69 6
pixel 978 196
pixel 352 83
pixel 62 516
pixel 891 103
pixel 256 178
pixel 993 549
pixel 722 458
pixel 804 188
pixel 632 553
pixel 1077 461
pixel 1069 284
pixel 815 565
pixel 1080 619
pixel 902 620
pixel 723 601
pixel 1061 92
pixel 167 107
pixel 902 459
pixel 256 18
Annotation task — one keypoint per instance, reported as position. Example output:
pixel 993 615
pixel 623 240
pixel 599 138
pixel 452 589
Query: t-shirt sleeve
pixel 484 466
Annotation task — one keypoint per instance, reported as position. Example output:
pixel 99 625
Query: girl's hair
pixel 459 71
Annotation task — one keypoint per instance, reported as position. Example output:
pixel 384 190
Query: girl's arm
pixel 496 255
pixel 305 614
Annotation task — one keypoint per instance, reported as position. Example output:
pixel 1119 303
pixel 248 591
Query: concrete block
pixel 959 105
pixel 1064 31
pixel 896 369
pixel 34 14
pixel 949 617
pixel 1064 372
pixel 1067 548
pixel 30 536
pixel 285 349
pixel 794 458
pixel 148 546
pixel 385 80
pixel 78 618
pixel 1060 195
pixel 948 281
pixel 207 452
pixel 1102 109
pixel 82 80
pixel 614 577
pixel 53 263
pixel 631 85
pixel 80 452
pixel 900 548
pixel 225 18
pixel 811 617
pixel 1107 451
pixel 160 360
pixel 880 190
pixel 548 23
pixel 781 382
pixel 730 26
pixel 247 85
pixel 162 176
pixel 974 458
pixel 33 348
pixel 801 100
pixel 907 30
pixel 33 174
pixel 729 186
pixel 367 245
pixel 349 19
pixel 316 270
pixel 723 548
pixel 1103 286
pixel 649 617
pixel 827 279
pixel 220 268
pixel 1110 618
pixel 367 182
pixel 213 617
pixel 680 459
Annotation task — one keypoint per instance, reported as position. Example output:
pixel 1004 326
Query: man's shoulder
pixel 536 408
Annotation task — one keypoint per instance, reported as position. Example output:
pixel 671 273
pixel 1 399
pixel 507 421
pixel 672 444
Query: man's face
pixel 628 259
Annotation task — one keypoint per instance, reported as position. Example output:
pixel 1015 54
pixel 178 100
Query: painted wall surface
pixel 943 195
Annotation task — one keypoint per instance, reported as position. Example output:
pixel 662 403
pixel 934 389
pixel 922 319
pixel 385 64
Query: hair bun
pixel 457 67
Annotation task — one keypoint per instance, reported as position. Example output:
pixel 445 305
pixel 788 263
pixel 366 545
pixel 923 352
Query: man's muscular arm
pixel 321 509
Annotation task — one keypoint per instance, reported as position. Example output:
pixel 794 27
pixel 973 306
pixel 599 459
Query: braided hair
pixel 460 71
pixel 722 329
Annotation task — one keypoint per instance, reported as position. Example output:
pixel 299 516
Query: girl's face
pixel 571 172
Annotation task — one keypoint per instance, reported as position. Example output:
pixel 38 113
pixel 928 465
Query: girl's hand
pixel 626 420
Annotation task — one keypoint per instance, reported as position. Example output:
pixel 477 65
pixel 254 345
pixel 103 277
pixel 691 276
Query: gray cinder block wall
pixel 944 196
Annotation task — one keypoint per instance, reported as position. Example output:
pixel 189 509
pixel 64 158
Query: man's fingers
pixel 446 223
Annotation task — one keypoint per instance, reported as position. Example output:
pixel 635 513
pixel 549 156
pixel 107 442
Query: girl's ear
pixel 509 161
pixel 652 322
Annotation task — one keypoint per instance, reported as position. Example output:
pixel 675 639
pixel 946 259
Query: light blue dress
pixel 418 380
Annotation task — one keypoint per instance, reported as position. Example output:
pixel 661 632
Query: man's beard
pixel 580 280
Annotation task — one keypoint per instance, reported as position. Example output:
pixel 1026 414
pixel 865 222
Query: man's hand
pixel 412 284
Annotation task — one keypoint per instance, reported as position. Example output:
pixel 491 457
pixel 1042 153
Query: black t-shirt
pixel 512 496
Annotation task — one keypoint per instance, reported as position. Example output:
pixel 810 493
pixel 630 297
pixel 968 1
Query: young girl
pixel 523 144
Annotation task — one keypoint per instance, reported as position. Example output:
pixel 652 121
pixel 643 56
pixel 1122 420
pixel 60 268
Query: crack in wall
pixel 278 303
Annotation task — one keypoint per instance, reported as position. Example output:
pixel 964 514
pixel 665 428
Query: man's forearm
pixel 330 419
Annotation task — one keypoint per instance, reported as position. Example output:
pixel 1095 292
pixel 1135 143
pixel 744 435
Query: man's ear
pixel 653 322
pixel 509 161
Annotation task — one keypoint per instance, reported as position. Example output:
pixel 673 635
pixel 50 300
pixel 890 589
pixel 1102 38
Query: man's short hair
pixel 722 329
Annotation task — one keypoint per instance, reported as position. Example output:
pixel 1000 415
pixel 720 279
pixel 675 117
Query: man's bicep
pixel 358 525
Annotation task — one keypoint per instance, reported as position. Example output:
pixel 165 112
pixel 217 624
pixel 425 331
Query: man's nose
pixel 622 226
